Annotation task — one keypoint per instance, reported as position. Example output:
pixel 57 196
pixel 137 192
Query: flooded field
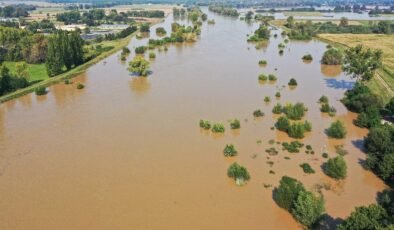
pixel 128 153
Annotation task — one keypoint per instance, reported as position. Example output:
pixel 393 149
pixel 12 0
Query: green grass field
pixel 37 72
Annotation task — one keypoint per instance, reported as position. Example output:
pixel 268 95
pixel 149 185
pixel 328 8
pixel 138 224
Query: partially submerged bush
pixel 258 113
pixel 336 168
pixel 277 94
pixel 307 168
pixel 230 151
pixel 152 55
pixel 292 82
pixel 287 192
pixel 139 66
pixel 294 112
pixel 332 57
pixel 272 77
pixel 140 49
pixel 267 99
pixel 262 62
pixel 307 57
pixel 80 86
pixel 41 91
pixel 337 130
pixel 263 77
pixel 235 124
pixel 302 204
pixel 160 31
pixel 292 147
pixel 205 124
pixel 283 124
pixel 277 109
pixel 323 99
pixel 218 128
pixel 239 173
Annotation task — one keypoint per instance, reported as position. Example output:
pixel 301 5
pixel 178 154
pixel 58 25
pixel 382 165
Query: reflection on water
pixel 339 84
pixel 139 85
pixel 128 152
pixel 331 70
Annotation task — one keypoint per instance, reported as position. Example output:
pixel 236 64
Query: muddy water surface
pixel 127 152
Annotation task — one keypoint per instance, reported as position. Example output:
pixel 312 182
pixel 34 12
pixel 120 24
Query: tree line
pixel 16 11
pixel 306 30
pixel 65 51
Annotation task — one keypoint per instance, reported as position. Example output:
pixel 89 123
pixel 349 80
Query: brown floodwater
pixel 127 152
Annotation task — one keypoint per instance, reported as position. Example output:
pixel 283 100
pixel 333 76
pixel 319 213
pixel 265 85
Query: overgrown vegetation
pixel 332 57
pixel 230 151
pixel 337 130
pixel 306 207
pixel 336 168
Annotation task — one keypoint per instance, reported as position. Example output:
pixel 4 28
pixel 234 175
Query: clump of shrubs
pixel 230 151
pixel 306 207
pixel 263 77
pixel 277 94
pixel 307 168
pixel 337 130
pixel 292 82
pixel 41 91
pixel 323 99
pixel 332 57
pixel 258 113
pixel 152 55
pixel 295 129
pixel 125 51
pixel 277 109
pixel 80 86
pixel 235 124
pixel 294 112
pixel 239 173
pixel 205 125
pixel 68 82
pixel 218 128
pixel 292 147
pixel 140 49
pixel 267 99
pixel 307 57
pixel 272 77
pixel 336 168
pixel 262 62
pixel 272 151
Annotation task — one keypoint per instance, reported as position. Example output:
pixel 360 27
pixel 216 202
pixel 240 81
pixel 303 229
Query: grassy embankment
pixel 38 72
pixel 373 41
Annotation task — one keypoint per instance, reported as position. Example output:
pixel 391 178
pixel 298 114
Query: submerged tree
pixel 332 57
pixel 139 66
pixel 239 173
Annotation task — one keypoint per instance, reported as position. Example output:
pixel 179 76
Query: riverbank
pixel 383 83
pixel 117 45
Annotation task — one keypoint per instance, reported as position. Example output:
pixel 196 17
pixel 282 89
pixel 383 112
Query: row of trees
pixel 96 17
pixel 146 13
pixel 306 30
pixel 224 10
pixel 65 50
pixel 361 64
